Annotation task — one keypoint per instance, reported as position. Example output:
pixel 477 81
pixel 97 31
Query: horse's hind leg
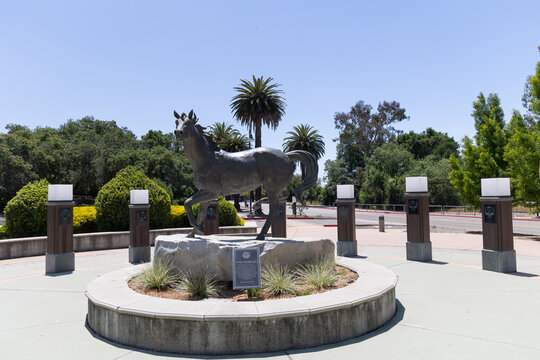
pixel 202 197
pixel 274 204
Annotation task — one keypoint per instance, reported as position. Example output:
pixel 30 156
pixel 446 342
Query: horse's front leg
pixel 202 197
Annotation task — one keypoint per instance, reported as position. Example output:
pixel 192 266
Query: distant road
pixel 328 216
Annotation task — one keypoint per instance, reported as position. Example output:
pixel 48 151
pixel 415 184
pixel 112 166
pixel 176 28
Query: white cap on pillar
pixel 416 184
pixel 62 192
pixel 495 187
pixel 138 197
pixel 345 191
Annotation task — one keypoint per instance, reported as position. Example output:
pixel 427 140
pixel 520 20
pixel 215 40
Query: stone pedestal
pixel 59 255
pixel 211 220
pixel 498 234
pixel 418 241
pixel 139 233
pixel 346 221
pixel 279 225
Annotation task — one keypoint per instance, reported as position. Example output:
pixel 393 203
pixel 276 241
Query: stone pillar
pixel 346 221
pixel 211 220
pixel 417 207
pixel 59 256
pixel 139 227
pixel 279 225
pixel 498 252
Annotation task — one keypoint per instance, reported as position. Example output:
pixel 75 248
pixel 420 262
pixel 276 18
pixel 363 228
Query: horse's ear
pixel 190 116
pixel 176 115
pixel 195 118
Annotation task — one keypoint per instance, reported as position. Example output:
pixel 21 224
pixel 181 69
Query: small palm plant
pixel 199 283
pixel 319 273
pixel 159 275
pixel 277 280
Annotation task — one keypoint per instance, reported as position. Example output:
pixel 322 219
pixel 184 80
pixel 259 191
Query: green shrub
pixel 4 234
pixel 178 217
pixel 26 212
pixel 199 284
pixel 160 275
pixel 84 219
pixel 277 280
pixel 113 200
pixel 319 273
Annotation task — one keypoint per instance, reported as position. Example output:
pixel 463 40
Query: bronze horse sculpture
pixel 218 172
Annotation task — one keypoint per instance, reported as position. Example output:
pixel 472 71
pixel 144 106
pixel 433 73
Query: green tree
pixel 523 156
pixel 258 102
pixel 385 175
pixel 429 142
pixel 93 147
pixel 15 172
pixel 482 157
pixel 437 171
pixel 304 137
pixel 362 130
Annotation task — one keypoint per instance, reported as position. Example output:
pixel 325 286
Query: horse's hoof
pixel 191 235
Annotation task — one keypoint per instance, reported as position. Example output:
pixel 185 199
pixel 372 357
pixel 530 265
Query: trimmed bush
pixel 4 232
pixel 26 212
pixel 84 219
pixel 178 217
pixel 113 200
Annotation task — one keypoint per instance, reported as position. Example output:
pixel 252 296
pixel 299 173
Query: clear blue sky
pixel 136 61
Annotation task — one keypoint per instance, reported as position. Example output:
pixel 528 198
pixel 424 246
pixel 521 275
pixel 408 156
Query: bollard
pixel 59 256
pixel 346 221
pixel 211 219
pixel 139 227
pixel 381 223
pixel 417 203
pixel 498 252
pixel 279 225
pixel 294 205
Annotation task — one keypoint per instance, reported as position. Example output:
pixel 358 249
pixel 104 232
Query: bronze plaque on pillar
pixel 59 227
pixel 211 219
pixel 497 229
pixel 417 217
pixel 139 225
pixel 279 225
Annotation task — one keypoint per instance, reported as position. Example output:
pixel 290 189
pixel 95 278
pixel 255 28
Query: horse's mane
pixel 208 138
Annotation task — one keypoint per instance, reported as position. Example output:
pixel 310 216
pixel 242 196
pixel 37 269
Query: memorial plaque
pixel 65 216
pixel 211 213
pixel 413 206
pixel 141 217
pixel 489 214
pixel 246 269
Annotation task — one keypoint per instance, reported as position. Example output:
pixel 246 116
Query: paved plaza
pixel 447 309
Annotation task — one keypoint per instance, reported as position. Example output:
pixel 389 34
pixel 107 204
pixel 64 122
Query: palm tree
pixel 304 137
pixel 222 132
pixel 258 102
pixel 230 140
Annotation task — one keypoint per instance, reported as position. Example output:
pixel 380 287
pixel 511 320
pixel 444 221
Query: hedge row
pixel 26 213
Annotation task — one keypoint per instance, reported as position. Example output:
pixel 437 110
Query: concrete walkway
pixel 447 309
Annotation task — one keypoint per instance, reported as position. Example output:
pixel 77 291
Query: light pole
pixel 251 140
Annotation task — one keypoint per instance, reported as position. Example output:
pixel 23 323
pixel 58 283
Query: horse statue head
pixel 185 125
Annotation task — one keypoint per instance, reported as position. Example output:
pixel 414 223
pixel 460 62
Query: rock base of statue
pixel 213 253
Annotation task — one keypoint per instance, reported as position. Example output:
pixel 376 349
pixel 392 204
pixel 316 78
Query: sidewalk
pixel 447 309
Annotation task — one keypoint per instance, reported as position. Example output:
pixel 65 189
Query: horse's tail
pixel 312 170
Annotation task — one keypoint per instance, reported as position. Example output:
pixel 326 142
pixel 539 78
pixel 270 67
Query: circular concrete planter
pixel 217 327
